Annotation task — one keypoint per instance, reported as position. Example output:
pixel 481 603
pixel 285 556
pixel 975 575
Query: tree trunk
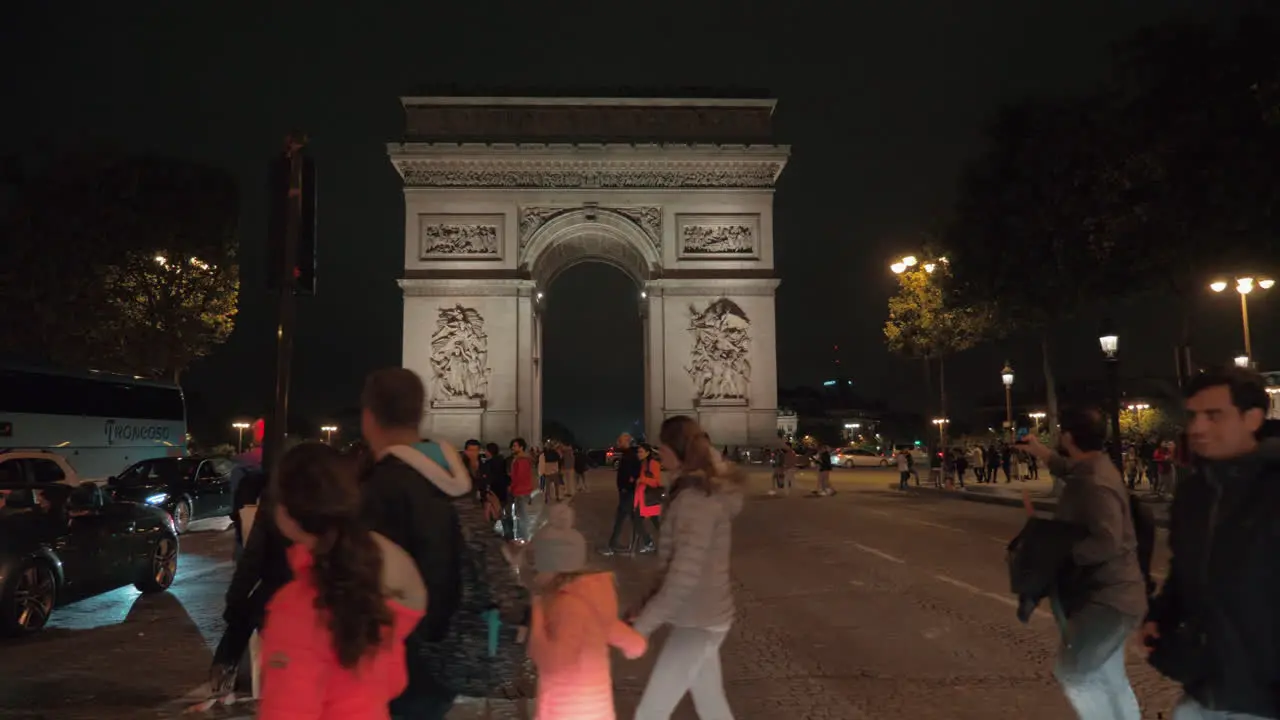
pixel 1051 400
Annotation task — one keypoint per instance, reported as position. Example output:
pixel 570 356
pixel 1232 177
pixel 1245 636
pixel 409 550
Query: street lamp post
pixel 1244 286
pixel 942 430
pixel 328 431
pixel 1110 343
pixel 240 427
pixel 1006 377
pixel 1036 417
pixel 1136 409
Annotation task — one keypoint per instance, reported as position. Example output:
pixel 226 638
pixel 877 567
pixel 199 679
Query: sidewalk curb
pixel 992 499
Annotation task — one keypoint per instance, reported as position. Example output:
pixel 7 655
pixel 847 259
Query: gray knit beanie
pixel 557 547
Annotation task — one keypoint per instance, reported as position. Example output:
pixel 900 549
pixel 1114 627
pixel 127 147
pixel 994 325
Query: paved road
pixel 869 604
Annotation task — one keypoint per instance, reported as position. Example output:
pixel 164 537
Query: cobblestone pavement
pixel 869 604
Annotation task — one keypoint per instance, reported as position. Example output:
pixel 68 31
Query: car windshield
pixel 158 471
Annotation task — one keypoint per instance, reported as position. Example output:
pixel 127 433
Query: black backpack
pixel 1144 529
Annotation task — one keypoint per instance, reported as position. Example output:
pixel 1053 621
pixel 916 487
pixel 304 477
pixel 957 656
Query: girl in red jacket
pixel 333 643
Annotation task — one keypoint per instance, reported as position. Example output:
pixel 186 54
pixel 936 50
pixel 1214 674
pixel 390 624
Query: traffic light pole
pixel 286 307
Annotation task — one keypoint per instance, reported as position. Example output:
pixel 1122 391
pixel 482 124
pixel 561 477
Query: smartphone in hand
pixel 1022 435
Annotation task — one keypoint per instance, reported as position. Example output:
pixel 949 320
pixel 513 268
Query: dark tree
pixel 121 262
pixel 1201 107
pixel 1034 229
pixel 556 430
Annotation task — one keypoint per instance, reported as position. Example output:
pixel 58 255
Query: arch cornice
pixel 576 235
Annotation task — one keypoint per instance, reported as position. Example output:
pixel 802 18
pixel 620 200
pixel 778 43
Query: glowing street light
pixel 898 268
pixel 929 267
pixel 1244 286
pixel 1006 377
pixel 1036 417
pixel 942 429
pixel 328 431
pixel 1139 407
pixel 241 427
pixel 910 261
pixel 1242 361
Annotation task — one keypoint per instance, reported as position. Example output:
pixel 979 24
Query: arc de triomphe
pixel 503 194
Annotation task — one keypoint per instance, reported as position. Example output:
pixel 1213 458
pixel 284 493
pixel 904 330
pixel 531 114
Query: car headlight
pixel 157 498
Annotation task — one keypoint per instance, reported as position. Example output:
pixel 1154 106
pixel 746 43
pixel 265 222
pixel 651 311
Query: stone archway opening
pixel 591 368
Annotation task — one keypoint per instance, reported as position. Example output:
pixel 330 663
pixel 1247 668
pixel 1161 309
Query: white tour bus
pixel 102 423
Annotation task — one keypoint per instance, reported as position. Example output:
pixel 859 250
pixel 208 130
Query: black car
pixel 60 543
pixel 190 488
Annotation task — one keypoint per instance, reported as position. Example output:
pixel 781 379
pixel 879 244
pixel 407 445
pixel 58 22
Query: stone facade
pixel 489 227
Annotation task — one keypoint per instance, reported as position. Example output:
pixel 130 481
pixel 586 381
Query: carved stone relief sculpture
pixel 719 362
pixel 461 237
pixel 459 356
pixel 711 237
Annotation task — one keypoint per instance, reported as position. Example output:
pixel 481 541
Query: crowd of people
pixel 388 582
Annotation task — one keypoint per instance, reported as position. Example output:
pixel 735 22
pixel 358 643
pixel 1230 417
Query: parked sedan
pixel 60 543
pixel 857 457
pixel 190 488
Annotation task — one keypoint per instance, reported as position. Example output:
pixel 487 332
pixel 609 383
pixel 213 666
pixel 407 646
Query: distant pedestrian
pixel 568 467
pixel 649 495
pixel 904 469
pixel 521 473
pixel 628 474
pixel 824 473
pixel 580 468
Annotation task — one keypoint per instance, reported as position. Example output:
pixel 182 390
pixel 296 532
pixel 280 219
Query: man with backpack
pixel 408 498
pixel 1215 626
pixel 1100 596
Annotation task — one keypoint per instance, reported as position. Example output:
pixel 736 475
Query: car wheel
pixel 28 600
pixel 182 515
pixel 163 567
pixel 884 463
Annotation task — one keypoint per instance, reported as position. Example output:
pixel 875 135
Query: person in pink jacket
pixel 649 494
pixel 333 642
pixel 575 622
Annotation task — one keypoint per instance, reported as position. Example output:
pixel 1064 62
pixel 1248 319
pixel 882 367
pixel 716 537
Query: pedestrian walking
pixel 790 463
pixel 628 474
pixel 694 595
pixel 568 468
pixel 1214 628
pixel 575 622
pixel 824 473
pixel 904 469
pixel 521 473
pixel 408 498
pixel 580 470
pixel 549 471
pixel 1101 600
pixel 333 645
pixel 649 494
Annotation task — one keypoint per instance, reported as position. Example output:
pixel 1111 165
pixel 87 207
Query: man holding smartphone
pixel 1099 601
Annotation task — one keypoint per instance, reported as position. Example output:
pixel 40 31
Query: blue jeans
pixel 1090 665
pixel 1189 709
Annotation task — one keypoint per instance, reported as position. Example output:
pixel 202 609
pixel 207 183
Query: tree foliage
pixel 1201 106
pixel 1150 423
pixel 81 251
pixel 922 324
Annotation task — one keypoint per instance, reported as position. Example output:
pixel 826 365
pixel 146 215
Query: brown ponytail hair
pixel 317 487
pixel 700 466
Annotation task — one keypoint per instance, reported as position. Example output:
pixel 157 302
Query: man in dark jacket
pixel 1102 599
pixel 628 474
pixel 408 498
pixel 1215 625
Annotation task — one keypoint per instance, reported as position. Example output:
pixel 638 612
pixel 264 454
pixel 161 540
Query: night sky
pixel 881 103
